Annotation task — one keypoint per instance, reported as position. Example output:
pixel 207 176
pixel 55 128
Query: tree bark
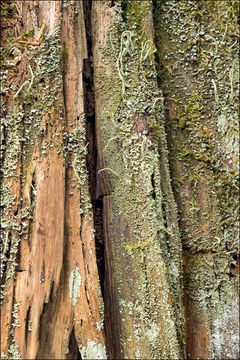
pixel 144 312
pixel 50 279
pixel 119 179
pixel 198 69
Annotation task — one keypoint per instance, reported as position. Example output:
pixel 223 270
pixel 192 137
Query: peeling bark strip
pixel 89 225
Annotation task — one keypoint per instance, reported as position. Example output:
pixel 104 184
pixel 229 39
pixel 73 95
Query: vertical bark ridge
pixel 131 145
pixel 197 67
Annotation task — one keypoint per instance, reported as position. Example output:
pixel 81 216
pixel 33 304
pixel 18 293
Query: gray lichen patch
pixel 74 285
pixel 207 281
pixel 224 326
pixel 93 350
pixel 78 146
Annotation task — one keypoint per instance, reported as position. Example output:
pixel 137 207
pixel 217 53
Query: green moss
pixel 189 113
pixel 133 15
pixel 141 246
pixel 27 34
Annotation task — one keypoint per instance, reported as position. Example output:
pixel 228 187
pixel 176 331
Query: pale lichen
pixel 224 326
pixel 74 285
pixel 14 353
pixel 93 350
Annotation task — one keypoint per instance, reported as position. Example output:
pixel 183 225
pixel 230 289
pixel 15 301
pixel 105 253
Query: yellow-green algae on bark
pixel 142 240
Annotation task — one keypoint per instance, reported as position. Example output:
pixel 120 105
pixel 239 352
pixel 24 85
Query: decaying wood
pixel 55 291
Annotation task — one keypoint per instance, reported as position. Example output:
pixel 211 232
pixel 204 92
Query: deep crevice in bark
pixel 74 352
pixel 42 318
pixel 27 323
pixel 97 201
pixel 234 266
pixel 89 109
pixel 153 185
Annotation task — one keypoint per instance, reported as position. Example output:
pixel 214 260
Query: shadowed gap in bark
pixel 74 353
pixel 27 323
pixel 89 109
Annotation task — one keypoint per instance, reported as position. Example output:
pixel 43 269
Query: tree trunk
pixel 198 69
pixel 144 312
pixel 52 296
pixel 119 179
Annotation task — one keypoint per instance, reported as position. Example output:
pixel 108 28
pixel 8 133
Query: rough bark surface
pixel 144 312
pixel 119 179
pixel 199 74
pixel 50 279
